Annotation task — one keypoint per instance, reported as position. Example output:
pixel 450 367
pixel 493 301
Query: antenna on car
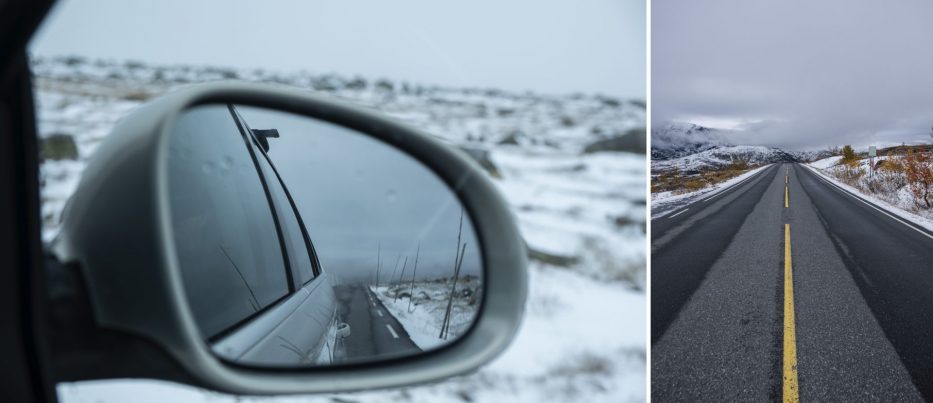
pixel 262 135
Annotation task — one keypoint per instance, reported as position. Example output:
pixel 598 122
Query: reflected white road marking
pixel 681 212
pixel 391 330
pixel 379 312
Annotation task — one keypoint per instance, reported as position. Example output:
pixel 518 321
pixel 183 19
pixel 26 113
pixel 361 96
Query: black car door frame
pixel 24 376
pixel 256 150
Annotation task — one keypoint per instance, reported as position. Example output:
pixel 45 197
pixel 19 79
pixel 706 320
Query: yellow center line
pixel 785 196
pixel 791 392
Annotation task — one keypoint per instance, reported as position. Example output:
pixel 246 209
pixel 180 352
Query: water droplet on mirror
pixel 225 164
pixel 208 167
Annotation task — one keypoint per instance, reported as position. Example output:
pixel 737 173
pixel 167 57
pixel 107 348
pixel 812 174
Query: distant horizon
pixel 731 132
pixel 370 80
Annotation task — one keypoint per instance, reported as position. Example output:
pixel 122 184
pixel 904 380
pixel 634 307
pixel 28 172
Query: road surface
pixel 787 286
pixel 374 333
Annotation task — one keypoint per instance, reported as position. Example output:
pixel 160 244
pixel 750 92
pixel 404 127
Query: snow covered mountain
pixel 692 148
pixel 804 156
pixel 721 156
pixel 676 139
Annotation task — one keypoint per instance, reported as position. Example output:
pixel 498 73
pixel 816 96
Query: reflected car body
pixel 285 335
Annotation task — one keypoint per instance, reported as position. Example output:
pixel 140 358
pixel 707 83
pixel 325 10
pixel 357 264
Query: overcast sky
pixel 798 74
pixel 357 195
pixel 556 46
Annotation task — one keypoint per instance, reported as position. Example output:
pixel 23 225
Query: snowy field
pixel 582 214
pixel 421 312
pixel 663 203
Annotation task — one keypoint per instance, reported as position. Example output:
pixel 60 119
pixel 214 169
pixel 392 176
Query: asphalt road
pixel 855 324
pixel 374 332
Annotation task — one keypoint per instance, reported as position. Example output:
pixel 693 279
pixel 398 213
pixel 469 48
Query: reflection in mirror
pixel 301 242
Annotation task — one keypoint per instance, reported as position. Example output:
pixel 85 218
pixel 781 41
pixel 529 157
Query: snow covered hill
pixel 578 198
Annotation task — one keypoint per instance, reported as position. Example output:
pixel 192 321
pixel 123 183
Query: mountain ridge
pixel 692 148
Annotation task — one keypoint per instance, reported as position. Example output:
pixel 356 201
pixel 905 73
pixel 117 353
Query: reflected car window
pixel 299 253
pixel 225 236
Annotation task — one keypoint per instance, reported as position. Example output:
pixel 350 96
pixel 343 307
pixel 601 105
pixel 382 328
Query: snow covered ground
pixel 663 203
pixel 582 215
pixel 589 209
pixel 422 312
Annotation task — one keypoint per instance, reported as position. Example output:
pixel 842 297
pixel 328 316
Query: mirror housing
pixel 116 240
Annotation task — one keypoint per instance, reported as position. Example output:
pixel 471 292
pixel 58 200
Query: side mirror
pixel 332 250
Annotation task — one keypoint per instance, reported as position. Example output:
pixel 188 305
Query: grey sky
pixel 594 46
pixel 797 74
pixel 356 193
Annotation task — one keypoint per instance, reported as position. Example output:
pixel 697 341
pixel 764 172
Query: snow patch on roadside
pixel 897 211
pixel 423 315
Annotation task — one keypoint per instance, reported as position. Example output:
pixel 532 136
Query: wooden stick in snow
pixel 411 289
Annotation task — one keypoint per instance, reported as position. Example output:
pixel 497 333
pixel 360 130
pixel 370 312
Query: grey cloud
pixel 813 74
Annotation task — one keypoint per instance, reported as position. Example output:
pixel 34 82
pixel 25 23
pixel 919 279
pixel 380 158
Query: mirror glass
pixel 305 243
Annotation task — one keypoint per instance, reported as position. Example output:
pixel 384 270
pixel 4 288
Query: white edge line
pixel 391 330
pixel 379 312
pixel 679 213
pixel 859 198
pixel 720 193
